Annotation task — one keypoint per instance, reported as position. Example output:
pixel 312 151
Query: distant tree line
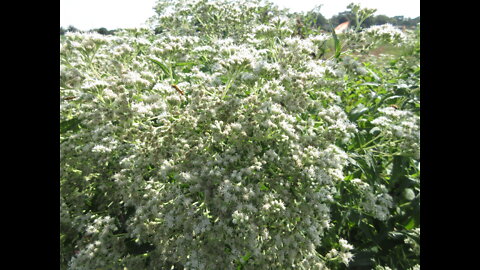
pixel 313 19
pixel 375 20
pixel 102 30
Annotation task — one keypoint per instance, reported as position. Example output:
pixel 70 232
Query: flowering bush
pixel 219 139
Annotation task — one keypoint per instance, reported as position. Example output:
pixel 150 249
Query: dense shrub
pixel 219 139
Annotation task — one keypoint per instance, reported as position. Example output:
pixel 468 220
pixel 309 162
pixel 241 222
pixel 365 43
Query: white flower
pixel 101 149
pixel 239 217
pixel 344 245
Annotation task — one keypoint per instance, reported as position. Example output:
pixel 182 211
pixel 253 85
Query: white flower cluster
pixel 379 267
pixel 375 35
pixel 217 17
pixel 375 200
pixel 97 242
pixel 344 254
pixel 414 243
pixel 388 32
pixel 231 168
pixel 403 126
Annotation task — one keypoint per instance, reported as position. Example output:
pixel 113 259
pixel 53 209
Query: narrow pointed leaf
pixel 161 65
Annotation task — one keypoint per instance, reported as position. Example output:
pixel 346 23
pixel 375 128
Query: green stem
pixel 387 154
pixel 379 145
pixel 233 78
pixel 405 204
pixel 367 143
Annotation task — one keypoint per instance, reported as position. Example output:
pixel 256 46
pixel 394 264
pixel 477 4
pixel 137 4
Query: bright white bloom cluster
pixel 371 37
pixel 205 166
pixel 344 254
pixel 387 31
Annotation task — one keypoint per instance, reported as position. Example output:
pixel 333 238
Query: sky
pixel 113 14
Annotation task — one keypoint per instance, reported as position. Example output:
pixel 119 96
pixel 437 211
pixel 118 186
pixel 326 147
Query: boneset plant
pixel 215 139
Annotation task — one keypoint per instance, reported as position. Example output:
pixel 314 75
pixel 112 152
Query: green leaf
pixel 375 131
pixel 399 168
pixel 357 112
pixel 246 257
pixel 363 260
pixel 393 97
pixel 263 187
pixel 370 84
pixel 408 194
pixel 396 235
pixel 161 65
pixel 370 161
pixel 411 224
pixel 338 47
pixel 374 75
pixel 180 64
pixel 72 124
pixel 365 229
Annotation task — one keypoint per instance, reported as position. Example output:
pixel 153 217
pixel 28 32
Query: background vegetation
pixel 310 20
